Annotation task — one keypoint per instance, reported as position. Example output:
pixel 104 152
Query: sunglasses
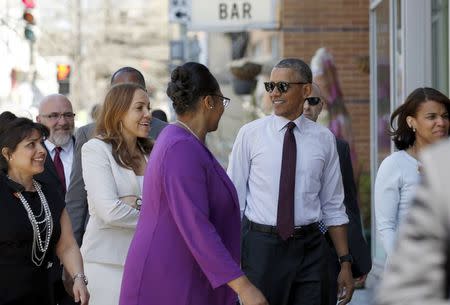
pixel 313 100
pixel 282 87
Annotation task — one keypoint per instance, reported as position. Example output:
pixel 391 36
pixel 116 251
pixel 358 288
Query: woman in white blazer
pixel 113 165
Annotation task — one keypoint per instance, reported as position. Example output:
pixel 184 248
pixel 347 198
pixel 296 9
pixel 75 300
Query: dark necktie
pixel 285 214
pixel 60 168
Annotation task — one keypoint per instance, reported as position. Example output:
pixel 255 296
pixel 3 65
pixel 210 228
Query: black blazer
pixel 50 177
pixel 358 246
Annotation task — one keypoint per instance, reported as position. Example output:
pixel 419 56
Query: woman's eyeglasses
pixel 225 100
pixel 282 87
pixel 313 100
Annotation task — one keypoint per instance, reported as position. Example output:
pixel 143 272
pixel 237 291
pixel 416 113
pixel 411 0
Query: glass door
pixel 380 97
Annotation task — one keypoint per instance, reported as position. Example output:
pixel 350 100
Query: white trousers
pixel 104 283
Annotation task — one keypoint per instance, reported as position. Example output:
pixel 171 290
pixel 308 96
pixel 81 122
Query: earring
pixel 414 130
pixel 210 107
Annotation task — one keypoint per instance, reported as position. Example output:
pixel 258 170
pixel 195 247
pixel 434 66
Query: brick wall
pixel 342 26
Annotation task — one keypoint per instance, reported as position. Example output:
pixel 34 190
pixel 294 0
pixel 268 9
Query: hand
pixel 80 292
pixel 252 296
pixel 359 281
pixel 346 285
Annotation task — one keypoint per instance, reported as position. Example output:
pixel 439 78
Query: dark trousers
pixel 332 270
pixel 287 272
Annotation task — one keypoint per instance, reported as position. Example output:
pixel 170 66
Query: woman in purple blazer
pixel 186 247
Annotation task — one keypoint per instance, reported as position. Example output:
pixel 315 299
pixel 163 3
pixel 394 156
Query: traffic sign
pixel 179 11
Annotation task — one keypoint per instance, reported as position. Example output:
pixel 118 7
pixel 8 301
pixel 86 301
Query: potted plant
pixel 244 75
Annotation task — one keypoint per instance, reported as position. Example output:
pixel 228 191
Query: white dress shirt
pixel 395 186
pixel 66 156
pixel 255 166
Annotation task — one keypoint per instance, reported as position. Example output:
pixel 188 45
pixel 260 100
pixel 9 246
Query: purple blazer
pixel 187 241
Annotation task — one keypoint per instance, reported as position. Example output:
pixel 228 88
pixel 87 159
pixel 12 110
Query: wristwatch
pixel 138 203
pixel 82 277
pixel 346 258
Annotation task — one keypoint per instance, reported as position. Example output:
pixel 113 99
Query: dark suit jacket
pixel 358 246
pixel 76 197
pixel 49 175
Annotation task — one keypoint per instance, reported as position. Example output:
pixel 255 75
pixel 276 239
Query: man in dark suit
pixel 359 249
pixel 76 197
pixel 56 113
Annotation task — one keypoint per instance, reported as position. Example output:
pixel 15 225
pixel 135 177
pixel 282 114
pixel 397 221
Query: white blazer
pixel 112 222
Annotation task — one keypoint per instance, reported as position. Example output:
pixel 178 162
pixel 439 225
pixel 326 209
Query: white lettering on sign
pixel 234 10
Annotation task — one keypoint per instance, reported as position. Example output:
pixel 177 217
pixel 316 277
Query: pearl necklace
pixel 188 129
pixel 40 247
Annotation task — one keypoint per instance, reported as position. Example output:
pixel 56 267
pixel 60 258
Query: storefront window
pixel 439 41
pixel 381 97
pixel 383 80
pixel 399 57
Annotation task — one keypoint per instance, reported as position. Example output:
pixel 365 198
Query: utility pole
pixel 76 93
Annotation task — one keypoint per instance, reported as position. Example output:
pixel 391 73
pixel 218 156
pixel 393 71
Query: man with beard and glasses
pixel 56 113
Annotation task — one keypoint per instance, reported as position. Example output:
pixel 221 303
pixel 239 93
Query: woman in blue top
pixel 422 120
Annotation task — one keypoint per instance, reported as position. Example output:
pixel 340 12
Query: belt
pixel 298 231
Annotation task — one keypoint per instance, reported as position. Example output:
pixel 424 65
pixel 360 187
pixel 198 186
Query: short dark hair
pixel 132 70
pixel 188 83
pixel 14 130
pixel 159 114
pixel 299 66
pixel 403 136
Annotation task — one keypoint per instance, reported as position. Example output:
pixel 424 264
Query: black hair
pixel 159 114
pixel 138 74
pixel 403 136
pixel 188 83
pixel 299 66
pixel 14 130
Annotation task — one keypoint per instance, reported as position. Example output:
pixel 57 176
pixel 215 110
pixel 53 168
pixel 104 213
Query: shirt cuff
pixel 335 221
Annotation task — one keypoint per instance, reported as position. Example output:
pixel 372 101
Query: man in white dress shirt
pixel 286 171
pixel 56 112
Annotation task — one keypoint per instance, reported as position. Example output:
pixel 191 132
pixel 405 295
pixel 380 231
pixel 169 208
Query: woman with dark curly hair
pixel 34 223
pixel 421 120
pixel 186 247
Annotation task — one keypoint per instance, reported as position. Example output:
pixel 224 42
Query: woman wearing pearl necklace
pixel 34 224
